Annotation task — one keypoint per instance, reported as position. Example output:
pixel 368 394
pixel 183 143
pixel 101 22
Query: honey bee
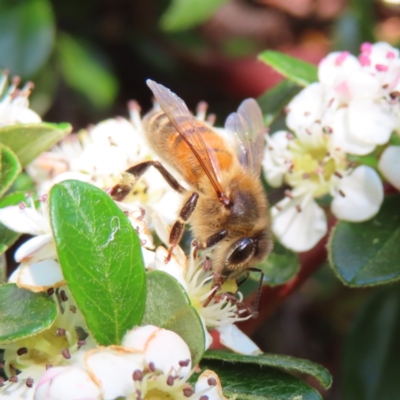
pixel 225 204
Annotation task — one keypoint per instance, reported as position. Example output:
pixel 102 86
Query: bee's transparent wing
pixel 248 129
pixel 183 121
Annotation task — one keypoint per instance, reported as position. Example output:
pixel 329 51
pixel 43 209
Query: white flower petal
pixel 67 383
pixel 174 267
pixel 213 392
pixel 389 165
pixel 335 66
pixel 306 108
pixel 369 121
pixel 360 195
pixel 41 276
pixel 164 348
pixel 342 138
pixel 112 368
pixel 299 230
pixel 40 247
pixel 23 220
pixel 137 338
pixel 276 158
pixel 233 338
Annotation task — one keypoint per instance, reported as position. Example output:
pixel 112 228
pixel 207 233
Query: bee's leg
pixel 217 283
pixel 120 191
pixel 210 242
pixel 179 225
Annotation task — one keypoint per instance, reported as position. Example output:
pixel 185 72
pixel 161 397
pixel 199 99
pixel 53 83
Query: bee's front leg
pixel 179 225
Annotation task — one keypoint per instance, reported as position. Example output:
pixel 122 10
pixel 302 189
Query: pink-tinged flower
pixel 14 103
pixel 150 363
pixel 361 96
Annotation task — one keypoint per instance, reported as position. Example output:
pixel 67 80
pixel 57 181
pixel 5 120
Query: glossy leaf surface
pixel 29 140
pixel 24 313
pixel 368 253
pixel 101 259
pixel 252 382
pixel 288 363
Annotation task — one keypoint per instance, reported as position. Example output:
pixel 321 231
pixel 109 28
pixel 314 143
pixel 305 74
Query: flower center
pixel 314 165
pixel 156 394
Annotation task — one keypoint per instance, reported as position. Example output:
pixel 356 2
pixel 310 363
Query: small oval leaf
pixel 24 313
pixel 167 306
pixel 101 258
pixel 298 71
pixel 280 266
pixel 368 253
pixel 9 168
pixel 84 72
pixel 183 14
pixel 253 382
pixel 27 141
pixel 287 363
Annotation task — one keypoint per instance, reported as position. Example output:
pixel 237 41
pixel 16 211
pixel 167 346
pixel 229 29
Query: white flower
pixel 151 363
pixel 389 165
pixel 62 344
pixel 39 269
pixel 314 166
pixel 14 104
pixel 363 94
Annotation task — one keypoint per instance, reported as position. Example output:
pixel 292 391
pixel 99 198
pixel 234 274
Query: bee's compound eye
pixel 243 249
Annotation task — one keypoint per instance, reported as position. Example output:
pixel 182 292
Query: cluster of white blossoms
pixel 151 363
pixel 45 364
pixel 351 110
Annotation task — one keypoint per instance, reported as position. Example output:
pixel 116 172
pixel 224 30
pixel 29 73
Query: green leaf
pixel 287 363
pixel 280 266
pixel 84 72
pixel 184 14
pixel 252 382
pixel 273 101
pixel 24 182
pixel 101 258
pixel 9 168
pixel 27 141
pixel 167 306
pixel 368 253
pixel 12 199
pixel 24 313
pixel 371 353
pixel 292 68
pixel 26 35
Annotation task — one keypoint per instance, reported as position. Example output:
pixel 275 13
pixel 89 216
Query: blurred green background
pixel 89 58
